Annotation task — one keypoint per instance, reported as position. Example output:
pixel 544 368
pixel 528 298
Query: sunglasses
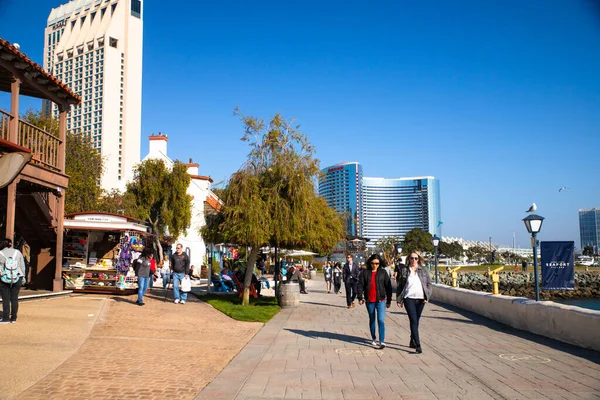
pixel 413 258
pixel 374 263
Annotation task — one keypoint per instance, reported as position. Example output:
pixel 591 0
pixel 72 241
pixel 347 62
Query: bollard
pixel 496 279
pixel 454 275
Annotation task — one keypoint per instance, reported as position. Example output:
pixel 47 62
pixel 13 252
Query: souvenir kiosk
pixel 99 250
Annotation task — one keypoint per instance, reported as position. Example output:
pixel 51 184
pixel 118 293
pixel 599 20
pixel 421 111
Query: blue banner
pixel 558 266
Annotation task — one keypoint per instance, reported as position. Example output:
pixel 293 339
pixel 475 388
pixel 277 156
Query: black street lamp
pixel 435 241
pixel 533 223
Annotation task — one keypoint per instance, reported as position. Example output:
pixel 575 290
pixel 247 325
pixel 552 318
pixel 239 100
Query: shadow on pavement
pixel 587 354
pixel 331 335
pixel 323 304
pixel 120 299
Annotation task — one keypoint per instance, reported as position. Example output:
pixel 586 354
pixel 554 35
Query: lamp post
pixel 533 223
pixel 435 241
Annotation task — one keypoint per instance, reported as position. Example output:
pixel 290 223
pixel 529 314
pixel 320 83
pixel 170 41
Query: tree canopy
pixel 83 164
pixel 588 251
pixel 161 197
pixel 271 199
pixel 417 240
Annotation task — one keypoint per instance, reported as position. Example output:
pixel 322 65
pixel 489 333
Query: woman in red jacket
pixel 375 286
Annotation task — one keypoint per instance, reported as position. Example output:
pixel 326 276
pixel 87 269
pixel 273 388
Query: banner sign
pixel 558 266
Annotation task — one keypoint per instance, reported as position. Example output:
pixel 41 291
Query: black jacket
pixel 383 285
pixel 350 274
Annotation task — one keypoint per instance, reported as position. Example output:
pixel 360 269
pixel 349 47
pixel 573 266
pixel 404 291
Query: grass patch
pixel 259 310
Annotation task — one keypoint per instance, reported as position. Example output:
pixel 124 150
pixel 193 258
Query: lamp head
pixel 533 223
pixel 435 241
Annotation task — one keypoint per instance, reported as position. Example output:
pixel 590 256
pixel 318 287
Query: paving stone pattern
pixel 159 351
pixel 321 350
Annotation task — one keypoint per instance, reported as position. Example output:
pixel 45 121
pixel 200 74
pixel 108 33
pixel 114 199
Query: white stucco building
pixel 95 47
pixel 203 199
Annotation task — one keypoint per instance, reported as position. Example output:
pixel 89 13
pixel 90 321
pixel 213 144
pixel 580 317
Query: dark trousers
pixel 337 285
pixel 10 299
pixel 414 308
pixel 351 290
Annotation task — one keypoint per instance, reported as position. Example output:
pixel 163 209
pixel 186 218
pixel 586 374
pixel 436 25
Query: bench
pixel 240 288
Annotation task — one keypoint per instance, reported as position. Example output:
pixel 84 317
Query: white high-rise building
pixel 95 47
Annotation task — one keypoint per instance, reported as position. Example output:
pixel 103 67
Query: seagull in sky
pixel 562 188
pixel 532 208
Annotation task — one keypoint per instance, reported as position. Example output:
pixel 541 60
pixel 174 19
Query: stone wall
pixel 521 284
pixel 568 324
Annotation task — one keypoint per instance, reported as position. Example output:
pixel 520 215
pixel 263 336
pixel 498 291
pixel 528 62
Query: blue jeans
pixel 414 308
pixel 142 287
pixel 166 277
pixel 177 278
pixel 378 306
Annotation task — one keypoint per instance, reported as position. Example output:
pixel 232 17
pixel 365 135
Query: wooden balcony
pixel 42 144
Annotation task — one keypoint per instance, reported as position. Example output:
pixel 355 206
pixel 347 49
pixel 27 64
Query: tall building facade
pixel 392 207
pixel 340 185
pixel 589 228
pixel 95 47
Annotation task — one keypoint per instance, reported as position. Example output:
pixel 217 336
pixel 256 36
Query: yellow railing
pixel 43 145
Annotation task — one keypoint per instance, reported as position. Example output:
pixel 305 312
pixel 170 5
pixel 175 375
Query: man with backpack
pixel 12 273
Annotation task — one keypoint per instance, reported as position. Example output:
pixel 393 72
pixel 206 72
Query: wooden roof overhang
pixel 35 81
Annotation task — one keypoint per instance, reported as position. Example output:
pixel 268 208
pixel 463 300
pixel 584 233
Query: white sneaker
pixel 382 345
pixel 374 344
pixel 176 301
pixel 182 301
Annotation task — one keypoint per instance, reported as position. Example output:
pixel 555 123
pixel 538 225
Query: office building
pixel 340 185
pixel 589 228
pixel 95 47
pixel 392 207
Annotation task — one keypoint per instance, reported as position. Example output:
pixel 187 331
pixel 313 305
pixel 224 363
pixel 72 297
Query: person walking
pixel 12 275
pixel 328 274
pixel 350 276
pixel 337 277
pixel 414 291
pixel 144 274
pixel 180 267
pixel 375 287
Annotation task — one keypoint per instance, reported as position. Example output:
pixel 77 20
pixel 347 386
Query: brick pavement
pixel 159 351
pixel 321 350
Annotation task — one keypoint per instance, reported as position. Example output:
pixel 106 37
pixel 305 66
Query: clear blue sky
pixel 500 100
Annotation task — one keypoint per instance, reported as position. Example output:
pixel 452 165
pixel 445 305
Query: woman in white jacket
pixel 12 274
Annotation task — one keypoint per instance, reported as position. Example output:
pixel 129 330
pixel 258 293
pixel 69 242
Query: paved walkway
pixel 321 350
pixel 160 351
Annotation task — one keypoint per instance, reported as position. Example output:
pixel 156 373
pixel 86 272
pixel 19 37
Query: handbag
pixel 186 284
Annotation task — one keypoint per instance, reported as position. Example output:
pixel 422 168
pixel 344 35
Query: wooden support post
pixel 57 285
pixel 13 130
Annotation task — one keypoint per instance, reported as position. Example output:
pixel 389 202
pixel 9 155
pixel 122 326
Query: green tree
pixel 271 199
pixel 117 202
pixel 588 251
pixel 161 197
pixel 417 240
pixel 83 164
pixel 389 247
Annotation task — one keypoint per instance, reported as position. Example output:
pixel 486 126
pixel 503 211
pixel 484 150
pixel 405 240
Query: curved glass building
pixel 340 185
pixel 392 207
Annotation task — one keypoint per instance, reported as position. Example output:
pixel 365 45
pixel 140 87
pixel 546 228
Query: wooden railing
pixel 43 145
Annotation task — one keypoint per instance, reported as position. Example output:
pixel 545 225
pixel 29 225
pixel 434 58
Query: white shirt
pixel 414 288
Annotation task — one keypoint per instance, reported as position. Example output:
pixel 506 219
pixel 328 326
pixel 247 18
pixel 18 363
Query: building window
pixel 113 42
pixel 136 8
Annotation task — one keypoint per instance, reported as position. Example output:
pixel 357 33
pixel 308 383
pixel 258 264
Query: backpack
pixel 10 271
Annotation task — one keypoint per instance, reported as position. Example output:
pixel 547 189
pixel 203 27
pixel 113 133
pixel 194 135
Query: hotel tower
pixel 95 47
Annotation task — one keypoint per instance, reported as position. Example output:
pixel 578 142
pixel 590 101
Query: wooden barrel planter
pixel 289 294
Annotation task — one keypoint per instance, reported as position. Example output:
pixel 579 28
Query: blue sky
pixel 500 100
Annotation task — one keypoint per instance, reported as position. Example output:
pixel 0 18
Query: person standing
pixel 337 277
pixel 414 291
pixel 12 275
pixel 165 272
pixel 350 276
pixel 328 274
pixel 180 267
pixel 144 273
pixel 375 287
